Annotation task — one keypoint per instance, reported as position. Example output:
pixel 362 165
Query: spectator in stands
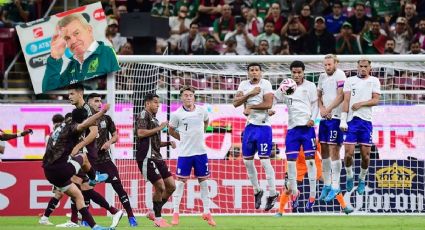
pixel 191 42
pixel 272 38
pixel 335 20
pixel 402 34
pixel 263 48
pixel 415 48
pixel 254 24
pixel 411 15
pixel 318 6
pixel 319 41
pixel 305 18
pixel 230 47
pixel 262 7
pixel 294 32
pixel 117 11
pixel 274 15
pixel 126 49
pixel 244 40
pixel 164 8
pixel 16 12
pixel 210 46
pixel 238 5
pixel 209 10
pixel 420 35
pixel 112 34
pixel 372 39
pixel 359 18
pixel 178 26
pixel 346 42
pixel 284 47
pixel 192 7
pixel 390 46
pixel 223 24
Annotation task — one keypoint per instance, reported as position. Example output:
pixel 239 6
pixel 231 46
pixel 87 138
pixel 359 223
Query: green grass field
pixel 247 222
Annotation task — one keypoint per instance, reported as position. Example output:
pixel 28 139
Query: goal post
pixel 396 176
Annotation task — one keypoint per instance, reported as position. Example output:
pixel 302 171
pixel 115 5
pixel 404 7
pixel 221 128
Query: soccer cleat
pixel 350 184
pixel 309 205
pixel 258 197
pixel 294 200
pixel 84 224
pixel 161 223
pixel 44 221
pixel 361 187
pixel 150 215
pixel 116 218
pixel 332 194
pixel 271 201
pixel 132 221
pixel 325 190
pixel 68 224
pixel 97 227
pixel 98 179
pixel 347 210
pixel 175 220
pixel 208 217
pixel 279 214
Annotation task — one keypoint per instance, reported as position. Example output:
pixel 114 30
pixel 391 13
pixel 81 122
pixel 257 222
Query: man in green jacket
pixel 91 58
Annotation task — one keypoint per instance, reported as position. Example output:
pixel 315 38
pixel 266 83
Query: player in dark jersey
pixel 88 145
pixel 149 159
pixel 103 163
pixel 60 164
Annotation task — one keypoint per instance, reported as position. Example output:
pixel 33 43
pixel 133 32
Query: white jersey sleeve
pixel 361 90
pixel 190 125
pixel 257 117
pixel 329 86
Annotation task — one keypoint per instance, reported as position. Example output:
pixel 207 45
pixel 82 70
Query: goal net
pixel 395 182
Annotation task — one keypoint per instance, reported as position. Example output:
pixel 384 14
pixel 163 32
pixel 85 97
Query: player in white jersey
pixel 188 124
pixel 329 90
pixel 361 92
pixel 302 111
pixel 256 94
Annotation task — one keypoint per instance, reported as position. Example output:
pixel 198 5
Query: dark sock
pixel 100 200
pixel 157 206
pixel 123 198
pixel 74 212
pixel 51 206
pixel 164 201
pixel 87 216
pixel 91 173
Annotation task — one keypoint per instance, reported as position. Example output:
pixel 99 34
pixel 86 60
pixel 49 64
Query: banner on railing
pixel 399 131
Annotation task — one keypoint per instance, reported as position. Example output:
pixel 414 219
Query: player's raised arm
pixel 6 137
pixel 92 119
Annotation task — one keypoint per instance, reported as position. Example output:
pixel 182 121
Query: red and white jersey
pixel 190 126
pixel 257 117
pixel 361 89
pixel 301 104
pixel 329 86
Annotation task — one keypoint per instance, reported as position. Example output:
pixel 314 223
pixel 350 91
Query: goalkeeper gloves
pixel 343 125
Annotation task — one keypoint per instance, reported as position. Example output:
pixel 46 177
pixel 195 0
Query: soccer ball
pixel 288 86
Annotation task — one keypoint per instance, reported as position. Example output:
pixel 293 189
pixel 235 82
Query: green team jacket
pixel 102 61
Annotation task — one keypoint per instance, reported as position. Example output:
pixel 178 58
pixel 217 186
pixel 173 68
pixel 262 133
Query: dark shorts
pixel 153 170
pixel 359 132
pixel 330 133
pixel 60 175
pixel 300 136
pixel 109 168
pixel 257 138
pixel 199 163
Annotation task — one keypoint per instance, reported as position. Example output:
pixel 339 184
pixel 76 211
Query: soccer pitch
pixel 392 222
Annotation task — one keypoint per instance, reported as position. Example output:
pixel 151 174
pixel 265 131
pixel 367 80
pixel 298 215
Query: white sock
pixel 44 217
pixel 349 171
pixel 204 196
pixel 326 171
pixel 312 174
pixel 252 174
pixel 363 173
pixel 292 177
pixel 336 173
pixel 177 195
pixel 270 176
